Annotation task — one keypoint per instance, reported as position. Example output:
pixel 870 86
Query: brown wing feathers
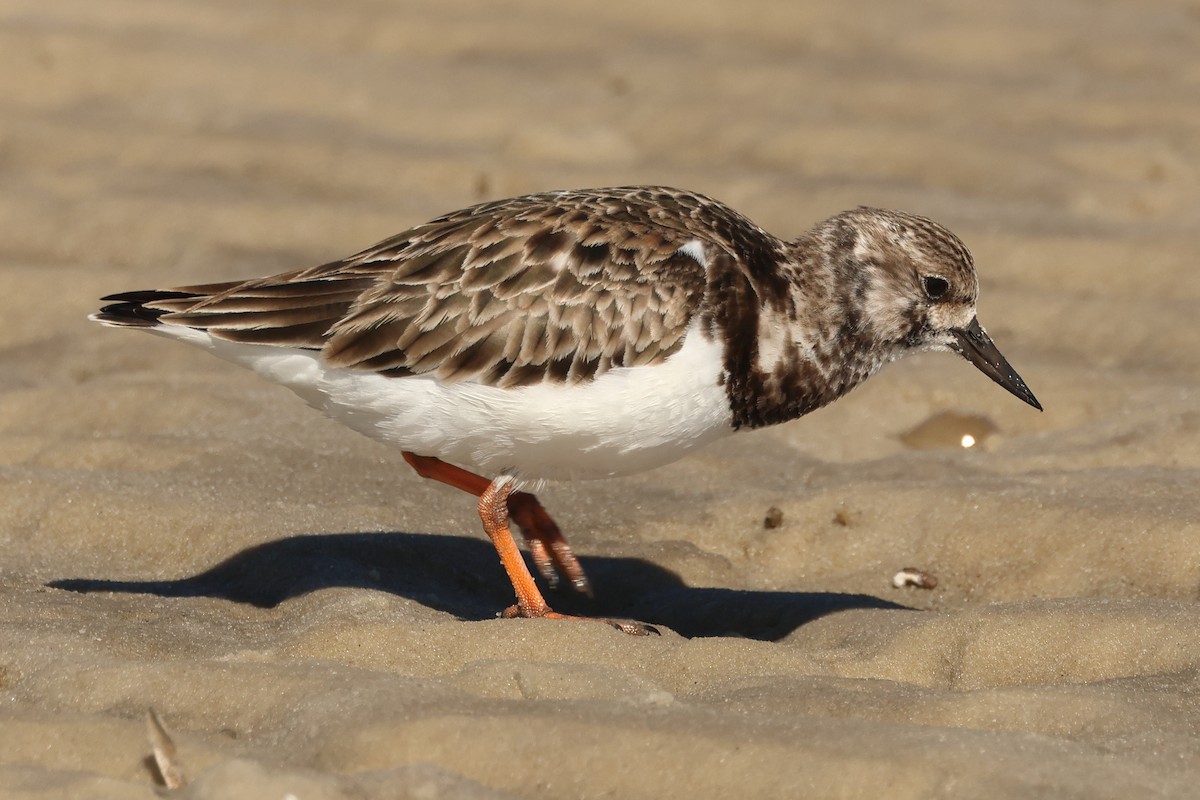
pixel 554 287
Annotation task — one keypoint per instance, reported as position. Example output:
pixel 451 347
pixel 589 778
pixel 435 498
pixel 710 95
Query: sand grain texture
pixel 309 617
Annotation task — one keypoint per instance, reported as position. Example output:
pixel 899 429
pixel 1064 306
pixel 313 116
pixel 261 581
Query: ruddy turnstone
pixel 585 334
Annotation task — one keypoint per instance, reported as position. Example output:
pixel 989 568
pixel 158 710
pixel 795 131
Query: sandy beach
pixel 309 618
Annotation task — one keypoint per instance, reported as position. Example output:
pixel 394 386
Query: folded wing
pixel 558 287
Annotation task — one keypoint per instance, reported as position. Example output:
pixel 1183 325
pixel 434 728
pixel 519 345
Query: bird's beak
pixel 973 344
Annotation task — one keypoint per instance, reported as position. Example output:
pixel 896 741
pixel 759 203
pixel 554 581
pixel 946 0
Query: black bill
pixel 976 346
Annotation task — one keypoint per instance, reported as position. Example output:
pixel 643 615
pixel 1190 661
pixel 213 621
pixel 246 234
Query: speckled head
pixel 917 289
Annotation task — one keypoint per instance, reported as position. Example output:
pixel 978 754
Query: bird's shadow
pixel 462 576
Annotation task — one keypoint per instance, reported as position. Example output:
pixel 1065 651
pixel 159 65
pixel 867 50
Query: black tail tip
pixel 131 311
pixel 129 315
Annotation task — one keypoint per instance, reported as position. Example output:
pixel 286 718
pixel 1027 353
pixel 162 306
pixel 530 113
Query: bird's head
pixel 914 288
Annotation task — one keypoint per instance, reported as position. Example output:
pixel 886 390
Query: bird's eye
pixel 935 286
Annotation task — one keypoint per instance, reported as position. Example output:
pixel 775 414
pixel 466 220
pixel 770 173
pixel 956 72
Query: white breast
pixel 627 420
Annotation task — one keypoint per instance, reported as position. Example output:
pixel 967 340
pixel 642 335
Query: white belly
pixel 626 420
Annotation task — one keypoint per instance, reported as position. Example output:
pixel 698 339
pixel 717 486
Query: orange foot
pixel 551 554
pixel 493 510
pixel 630 626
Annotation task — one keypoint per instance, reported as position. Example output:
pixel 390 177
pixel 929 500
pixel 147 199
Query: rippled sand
pixel 309 617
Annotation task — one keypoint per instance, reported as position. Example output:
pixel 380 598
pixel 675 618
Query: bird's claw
pixel 626 626
pixel 548 547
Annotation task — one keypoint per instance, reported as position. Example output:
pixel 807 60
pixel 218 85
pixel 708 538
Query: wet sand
pixel 308 616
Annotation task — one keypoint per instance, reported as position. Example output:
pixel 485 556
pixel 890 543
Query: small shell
pixel 166 758
pixel 911 576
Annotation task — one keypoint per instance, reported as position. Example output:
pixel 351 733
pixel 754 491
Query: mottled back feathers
pixel 560 286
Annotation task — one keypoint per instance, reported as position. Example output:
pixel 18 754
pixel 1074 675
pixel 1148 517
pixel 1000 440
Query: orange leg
pixel 551 553
pixel 547 545
pixel 493 510
pixel 496 499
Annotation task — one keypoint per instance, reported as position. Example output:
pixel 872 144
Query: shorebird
pixel 585 334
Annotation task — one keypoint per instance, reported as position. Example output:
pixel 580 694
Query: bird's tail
pixel 136 309
pixel 290 310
